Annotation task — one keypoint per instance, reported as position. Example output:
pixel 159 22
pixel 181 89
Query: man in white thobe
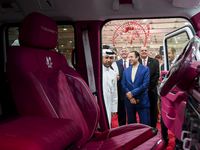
pixel 109 84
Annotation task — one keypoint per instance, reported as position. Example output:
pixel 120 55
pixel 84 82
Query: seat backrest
pixel 41 81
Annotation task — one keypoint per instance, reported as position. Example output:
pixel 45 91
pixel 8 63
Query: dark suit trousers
pixel 153 98
pixel 121 113
pixel 142 112
pixel 164 130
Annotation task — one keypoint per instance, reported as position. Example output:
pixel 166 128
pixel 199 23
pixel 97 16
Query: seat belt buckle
pixel 95 93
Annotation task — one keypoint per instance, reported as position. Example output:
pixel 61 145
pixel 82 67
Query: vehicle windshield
pixel 136 33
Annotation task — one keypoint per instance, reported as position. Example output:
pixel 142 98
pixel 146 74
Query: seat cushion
pixel 115 138
pixel 39 133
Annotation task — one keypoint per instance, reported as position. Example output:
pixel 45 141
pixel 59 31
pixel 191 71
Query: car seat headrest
pixel 38 31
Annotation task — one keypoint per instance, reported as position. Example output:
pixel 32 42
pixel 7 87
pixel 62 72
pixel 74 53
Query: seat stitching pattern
pixel 89 92
pixel 48 100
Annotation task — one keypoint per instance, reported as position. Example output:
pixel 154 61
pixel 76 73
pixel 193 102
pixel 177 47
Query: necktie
pixel 124 64
pixel 144 62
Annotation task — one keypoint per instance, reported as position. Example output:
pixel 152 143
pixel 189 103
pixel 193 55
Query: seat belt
pixel 89 64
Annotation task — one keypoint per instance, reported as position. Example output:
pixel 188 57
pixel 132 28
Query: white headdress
pixel 108 52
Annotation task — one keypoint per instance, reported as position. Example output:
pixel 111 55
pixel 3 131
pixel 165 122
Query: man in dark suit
pixel 153 65
pixel 164 129
pixel 124 61
pixel 134 83
pixel 118 68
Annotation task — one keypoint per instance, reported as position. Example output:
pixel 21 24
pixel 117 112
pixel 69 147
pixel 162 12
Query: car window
pixel 65 43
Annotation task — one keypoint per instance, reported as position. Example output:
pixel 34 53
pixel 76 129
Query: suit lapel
pixel 120 68
pixel 130 73
pixel 121 61
pixel 148 62
pixel 140 61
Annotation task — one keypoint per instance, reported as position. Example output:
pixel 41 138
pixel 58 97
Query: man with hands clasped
pixel 135 82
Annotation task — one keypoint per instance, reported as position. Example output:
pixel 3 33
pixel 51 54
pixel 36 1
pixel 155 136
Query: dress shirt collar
pixel 105 68
pixel 127 62
pixel 146 59
pixel 126 59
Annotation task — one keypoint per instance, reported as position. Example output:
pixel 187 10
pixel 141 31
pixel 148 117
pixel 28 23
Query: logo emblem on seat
pixel 48 62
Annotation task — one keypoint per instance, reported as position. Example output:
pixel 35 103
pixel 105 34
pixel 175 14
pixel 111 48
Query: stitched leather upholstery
pixel 38 133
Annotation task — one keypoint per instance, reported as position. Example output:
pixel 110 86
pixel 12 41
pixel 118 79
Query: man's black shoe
pixel 176 147
pixel 166 143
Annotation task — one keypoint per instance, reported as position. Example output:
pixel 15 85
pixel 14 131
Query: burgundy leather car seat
pixel 38 133
pixel 44 85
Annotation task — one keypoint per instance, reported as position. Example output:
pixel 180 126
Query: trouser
pixel 142 112
pixel 121 113
pixel 164 130
pixel 153 98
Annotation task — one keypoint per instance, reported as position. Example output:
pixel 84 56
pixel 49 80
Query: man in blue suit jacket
pixel 135 82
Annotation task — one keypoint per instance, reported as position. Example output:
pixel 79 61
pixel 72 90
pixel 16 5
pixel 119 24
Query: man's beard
pixel 134 63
